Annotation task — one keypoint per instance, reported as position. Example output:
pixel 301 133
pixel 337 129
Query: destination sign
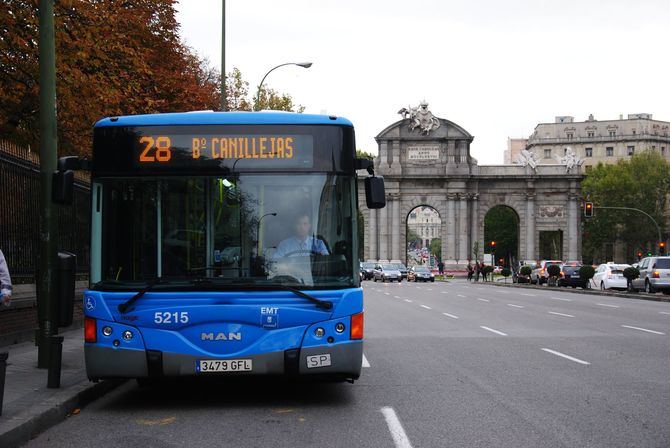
pixel 262 151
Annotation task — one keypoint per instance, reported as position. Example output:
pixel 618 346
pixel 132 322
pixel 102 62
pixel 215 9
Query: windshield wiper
pixel 325 304
pixel 123 307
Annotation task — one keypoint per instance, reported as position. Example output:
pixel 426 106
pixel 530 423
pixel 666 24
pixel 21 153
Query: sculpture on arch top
pixel 420 117
pixel 527 158
pixel 570 159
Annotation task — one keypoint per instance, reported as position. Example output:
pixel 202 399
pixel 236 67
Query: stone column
pixel 530 227
pixel 383 232
pixel 450 229
pixel 474 224
pixel 573 223
pixel 395 160
pixel 383 167
pixel 372 232
pixel 395 227
pixel 463 229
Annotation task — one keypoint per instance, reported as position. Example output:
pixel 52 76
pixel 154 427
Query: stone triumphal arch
pixel 426 161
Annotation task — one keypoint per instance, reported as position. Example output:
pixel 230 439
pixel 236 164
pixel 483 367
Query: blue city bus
pixel 225 243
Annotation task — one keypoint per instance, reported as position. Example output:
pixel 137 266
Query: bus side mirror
pixel 62 187
pixel 375 194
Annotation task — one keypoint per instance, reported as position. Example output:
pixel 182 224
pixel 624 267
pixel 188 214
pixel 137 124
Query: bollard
pixel 3 370
pixel 55 358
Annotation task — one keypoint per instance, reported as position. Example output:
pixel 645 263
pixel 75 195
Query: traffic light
pixel 588 209
pixel 493 244
pixel 639 255
pixel 661 248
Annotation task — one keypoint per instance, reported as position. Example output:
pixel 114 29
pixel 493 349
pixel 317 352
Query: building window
pixel 653 147
pixel 663 150
pixel 634 132
pixel 588 152
pixel 587 168
pixel 569 135
pixel 631 150
pixel 609 151
pixel 591 134
pixel 612 133
pixel 547 153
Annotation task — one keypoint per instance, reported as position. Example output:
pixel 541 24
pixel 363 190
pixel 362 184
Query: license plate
pixel 223 365
pixel 575 275
pixel 318 361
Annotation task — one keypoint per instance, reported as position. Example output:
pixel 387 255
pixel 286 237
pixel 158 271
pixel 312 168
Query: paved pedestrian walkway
pixel 29 406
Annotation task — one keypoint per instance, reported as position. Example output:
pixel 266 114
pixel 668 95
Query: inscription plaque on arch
pixel 423 152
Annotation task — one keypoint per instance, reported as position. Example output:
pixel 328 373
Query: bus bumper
pixel 343 360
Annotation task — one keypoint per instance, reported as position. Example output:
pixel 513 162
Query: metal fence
pixel 19 214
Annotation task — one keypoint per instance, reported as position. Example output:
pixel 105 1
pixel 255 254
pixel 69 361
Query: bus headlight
pixel 127 335
pixel 107 331
pixel 339 327
pixel 319 332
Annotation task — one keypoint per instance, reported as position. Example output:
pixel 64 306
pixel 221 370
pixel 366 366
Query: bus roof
pixel 212 117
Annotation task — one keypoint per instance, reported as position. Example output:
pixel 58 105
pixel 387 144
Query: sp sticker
pixel 90 303
pixel 269 316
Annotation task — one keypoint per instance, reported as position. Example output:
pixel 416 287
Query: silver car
pixel 654 275
pixel 384 272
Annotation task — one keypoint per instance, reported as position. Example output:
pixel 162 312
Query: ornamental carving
pixel 552 211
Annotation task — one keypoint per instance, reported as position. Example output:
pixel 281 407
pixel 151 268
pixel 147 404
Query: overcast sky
pixel 497 68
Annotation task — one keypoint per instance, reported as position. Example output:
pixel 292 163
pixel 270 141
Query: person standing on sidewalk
pixel 5 282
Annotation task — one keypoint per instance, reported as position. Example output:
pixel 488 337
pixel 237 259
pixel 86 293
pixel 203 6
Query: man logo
pixel 221 336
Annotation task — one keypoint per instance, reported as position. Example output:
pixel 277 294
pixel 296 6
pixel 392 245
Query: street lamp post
pixel 260 86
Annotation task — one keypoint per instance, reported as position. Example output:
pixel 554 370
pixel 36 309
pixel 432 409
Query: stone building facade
pixel 434 168
pixel 514 147
pixel 600 141
pixel 425 222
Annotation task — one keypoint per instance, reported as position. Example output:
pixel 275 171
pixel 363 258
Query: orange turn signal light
pixel 357 326
pixel 656 274
pixel 90 330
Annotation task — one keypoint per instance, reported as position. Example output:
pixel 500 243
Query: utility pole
pixel 46 273
pixel 223 55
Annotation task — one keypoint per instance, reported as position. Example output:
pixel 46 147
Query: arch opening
pixel 501 235
pixel 423 236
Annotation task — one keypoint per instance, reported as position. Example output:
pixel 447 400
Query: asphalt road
pixel 450 365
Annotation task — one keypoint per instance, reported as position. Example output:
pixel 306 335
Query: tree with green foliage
pixel 642 182
pixel 436 248
pixel 501 224
pixel 364 154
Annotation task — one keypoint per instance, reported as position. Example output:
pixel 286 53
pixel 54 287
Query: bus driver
pixel 302 243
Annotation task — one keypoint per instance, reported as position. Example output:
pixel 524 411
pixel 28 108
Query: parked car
pixel 654 275
pixel 367 268
pixel 610 276
pixel 420 274
pixel 518 277
pixel 540 274
pixel 386 271
pixel 570 276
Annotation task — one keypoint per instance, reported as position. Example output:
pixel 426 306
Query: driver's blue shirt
pixel 297 247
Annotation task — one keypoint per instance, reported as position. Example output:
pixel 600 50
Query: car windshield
pixel 389 267
pixel 258 229
pixel 421 269
pixel 368 265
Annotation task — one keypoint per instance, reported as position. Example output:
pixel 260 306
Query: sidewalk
pixel 29 407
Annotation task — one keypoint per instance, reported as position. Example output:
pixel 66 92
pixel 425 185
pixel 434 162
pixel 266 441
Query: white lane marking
pixel 387 293
pixel 560 298
pixel 515 306
pixel 450 315
pixel 503 292
pixel 407 300
pixel 642 329
pixel 426 307
pixel 560 314
pixel 397 297
pixel 484 300
pixel 365 362
pixel 563 355
pixel 663 312
pixel 529 295
pixel 444 292
pixel 429 289
pixel 461 295
pixel 605 304
pixel 400 439
pixel 493 331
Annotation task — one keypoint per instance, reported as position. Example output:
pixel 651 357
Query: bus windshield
pixel 250 228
